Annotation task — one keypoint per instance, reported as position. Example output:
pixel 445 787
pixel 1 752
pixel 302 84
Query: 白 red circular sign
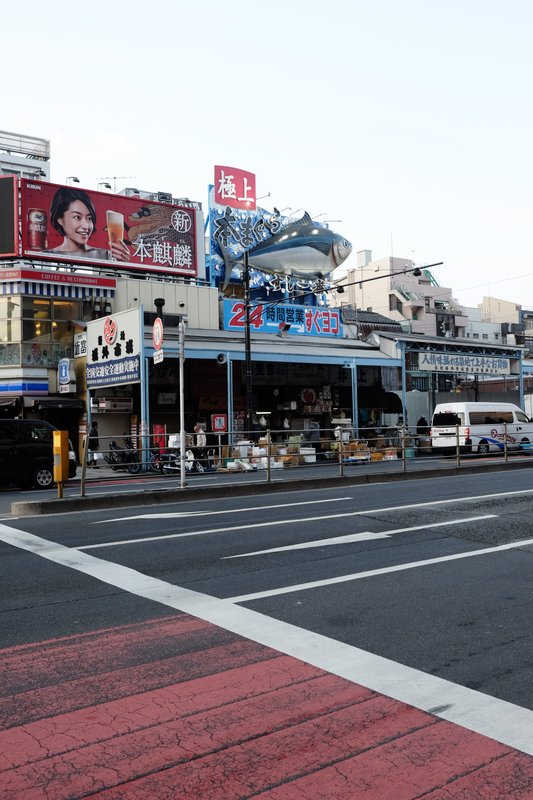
pixel 110 330
pixel 157 334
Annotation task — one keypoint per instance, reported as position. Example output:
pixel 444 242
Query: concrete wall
pixel 200 303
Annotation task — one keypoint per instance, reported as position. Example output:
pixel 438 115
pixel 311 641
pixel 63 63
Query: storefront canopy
pixel 10 404
pixel 58 403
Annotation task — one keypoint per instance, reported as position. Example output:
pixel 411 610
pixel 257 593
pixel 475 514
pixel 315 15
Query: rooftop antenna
pixel 116 178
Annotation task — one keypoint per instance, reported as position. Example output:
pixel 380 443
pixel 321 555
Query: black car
pixel 26 453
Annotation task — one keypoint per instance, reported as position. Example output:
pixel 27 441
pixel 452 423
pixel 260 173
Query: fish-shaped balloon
pixel 302 249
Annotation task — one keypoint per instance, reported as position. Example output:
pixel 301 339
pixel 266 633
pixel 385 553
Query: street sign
pixel 158 356
pixel 219 423
pixel 157 334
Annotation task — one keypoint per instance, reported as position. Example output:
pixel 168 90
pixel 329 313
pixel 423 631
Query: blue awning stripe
pixel 22 387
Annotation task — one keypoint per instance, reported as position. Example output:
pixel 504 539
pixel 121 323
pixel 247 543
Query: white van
pixel 483 427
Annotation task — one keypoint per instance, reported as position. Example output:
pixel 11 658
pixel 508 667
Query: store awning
pixel 10 404
pixel 58 403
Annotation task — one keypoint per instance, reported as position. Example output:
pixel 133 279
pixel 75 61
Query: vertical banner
pixel 9 238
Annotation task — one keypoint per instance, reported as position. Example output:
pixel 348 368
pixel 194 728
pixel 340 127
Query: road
pixel 369 641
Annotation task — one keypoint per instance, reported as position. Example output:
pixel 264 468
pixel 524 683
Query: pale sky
pixel 411 122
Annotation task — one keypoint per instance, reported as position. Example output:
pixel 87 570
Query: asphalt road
pixel 341 642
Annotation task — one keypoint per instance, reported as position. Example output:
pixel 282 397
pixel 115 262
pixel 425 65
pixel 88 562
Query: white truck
pixel 480 428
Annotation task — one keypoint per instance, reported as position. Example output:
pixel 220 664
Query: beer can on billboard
pixel 37 228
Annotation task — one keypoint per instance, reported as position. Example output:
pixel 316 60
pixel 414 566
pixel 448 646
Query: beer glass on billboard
pixel 115 226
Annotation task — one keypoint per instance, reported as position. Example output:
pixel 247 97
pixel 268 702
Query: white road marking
pixel 407 506
pixel 185 514
pixel 488 716
pixel 364 536
pixel 372 573
pixel 254 525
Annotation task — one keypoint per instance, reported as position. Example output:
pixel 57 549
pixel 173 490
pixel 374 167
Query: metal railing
pixel 272 453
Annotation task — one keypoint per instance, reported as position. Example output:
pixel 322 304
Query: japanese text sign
pixel 235 188
pixel 302 320
pixel 219 423
pixel 113 349
pixel 458 362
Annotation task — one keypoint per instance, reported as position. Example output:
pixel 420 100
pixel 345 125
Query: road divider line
pixel 372 573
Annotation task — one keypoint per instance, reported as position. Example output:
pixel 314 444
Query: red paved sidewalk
pixel 178 709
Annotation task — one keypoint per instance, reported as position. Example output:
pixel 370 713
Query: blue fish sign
pixel 302 248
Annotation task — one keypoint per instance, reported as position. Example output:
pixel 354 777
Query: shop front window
pixel 36 330
pixel 47 332
pixel 36 308
pixel 9 355
pixel 10 326
pixel 37 354
pixel 62 332
pixel 9 330
pixel 66 309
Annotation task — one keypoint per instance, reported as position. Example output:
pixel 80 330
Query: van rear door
pixel 444 429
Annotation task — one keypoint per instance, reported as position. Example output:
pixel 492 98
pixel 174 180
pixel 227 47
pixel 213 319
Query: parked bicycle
pixel 123 458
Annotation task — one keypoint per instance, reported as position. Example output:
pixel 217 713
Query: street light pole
pixel 247 346
pixel 181 329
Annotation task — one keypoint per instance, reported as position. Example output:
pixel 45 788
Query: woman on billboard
pixel 73 215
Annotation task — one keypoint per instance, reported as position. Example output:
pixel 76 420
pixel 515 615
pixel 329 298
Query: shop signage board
pixel 115 230
pixel 459 362
pixel 52 276
pixel 114 346
pixel 66 376
pixel 219 423
pixel 235 188
pixel 304 249
pixel 80 345
pixel 303 320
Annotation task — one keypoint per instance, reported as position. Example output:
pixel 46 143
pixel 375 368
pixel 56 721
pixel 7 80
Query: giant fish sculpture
pixel 302 249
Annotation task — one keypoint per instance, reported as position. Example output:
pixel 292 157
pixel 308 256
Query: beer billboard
pixel 64 223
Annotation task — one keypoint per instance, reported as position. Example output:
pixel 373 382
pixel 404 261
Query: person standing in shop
pixel 200 442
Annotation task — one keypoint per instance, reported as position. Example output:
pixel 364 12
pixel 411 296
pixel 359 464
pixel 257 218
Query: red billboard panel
pixel 9 243
pixel 235 188
pixel 64 223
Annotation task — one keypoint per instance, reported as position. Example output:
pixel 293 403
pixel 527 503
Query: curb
pixel 153 497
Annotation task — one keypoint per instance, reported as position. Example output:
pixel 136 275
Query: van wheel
pixel 43 478
pixel 483 449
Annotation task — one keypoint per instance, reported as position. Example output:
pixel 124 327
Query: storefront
pixel 298 382
pixel 436 369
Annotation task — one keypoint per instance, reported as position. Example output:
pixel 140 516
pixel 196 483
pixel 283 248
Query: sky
pixel 408 125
